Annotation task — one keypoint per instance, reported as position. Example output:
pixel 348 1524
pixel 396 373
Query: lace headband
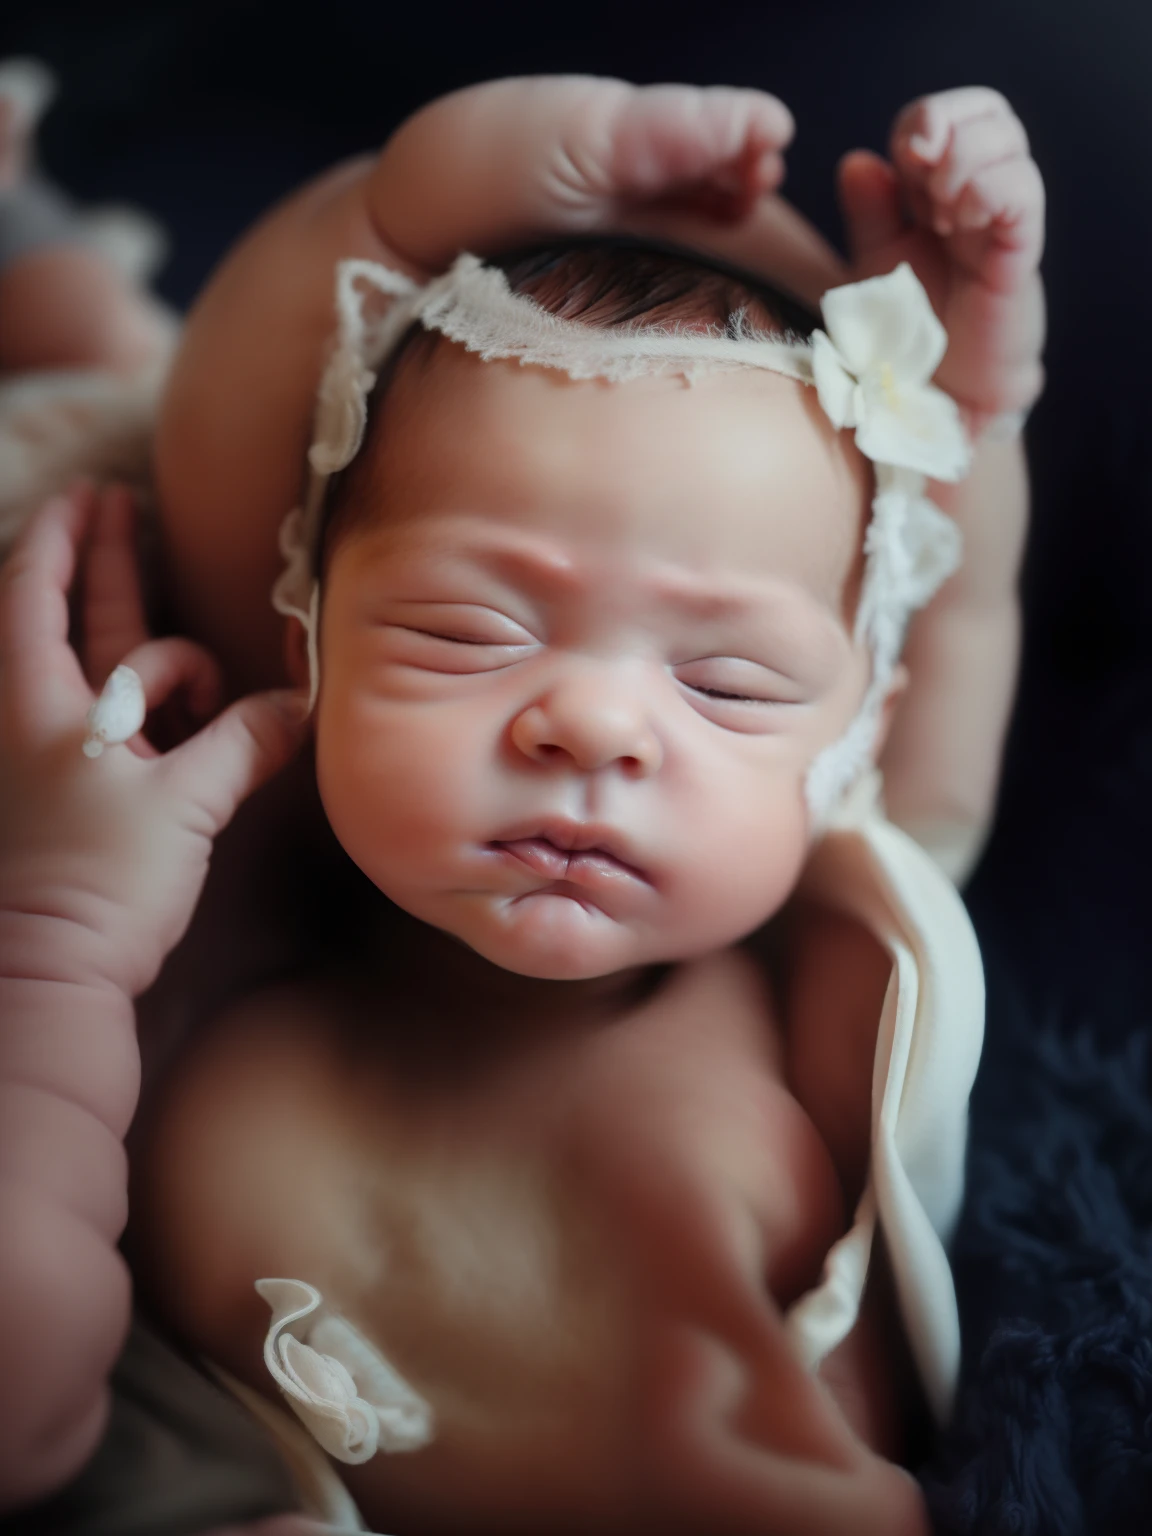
pixel 871 369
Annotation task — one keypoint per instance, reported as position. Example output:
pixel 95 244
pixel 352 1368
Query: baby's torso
pixel 566 1244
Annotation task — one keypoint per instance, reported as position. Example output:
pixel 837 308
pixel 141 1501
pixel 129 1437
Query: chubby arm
pixel 486 168
pixel 101 861
pixel 69 1070
pixel 962 200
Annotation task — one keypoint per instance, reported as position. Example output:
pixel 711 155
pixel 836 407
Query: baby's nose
pixel 589 722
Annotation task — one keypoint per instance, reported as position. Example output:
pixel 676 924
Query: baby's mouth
pixel 581 866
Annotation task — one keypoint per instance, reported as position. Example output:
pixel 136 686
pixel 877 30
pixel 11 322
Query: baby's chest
pixel 544 1234
pixel 529 1245
pixel 546 1207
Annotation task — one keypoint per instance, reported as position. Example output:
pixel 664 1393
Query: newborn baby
pixel 579 650
pixel 580 647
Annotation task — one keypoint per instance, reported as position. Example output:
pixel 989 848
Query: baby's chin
pixel 555 937
pixel 550 936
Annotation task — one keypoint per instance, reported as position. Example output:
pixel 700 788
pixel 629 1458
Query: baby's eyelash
pixel 436 634
pixel 731 698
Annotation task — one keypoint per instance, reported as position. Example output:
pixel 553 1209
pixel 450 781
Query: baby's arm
pixel 488 167
pixel 963 201
pixel 101 861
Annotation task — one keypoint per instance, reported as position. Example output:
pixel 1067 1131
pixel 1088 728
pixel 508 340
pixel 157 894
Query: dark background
pixel 204 113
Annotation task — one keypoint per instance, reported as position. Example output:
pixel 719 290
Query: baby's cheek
pixel 744 856
pixel 386 786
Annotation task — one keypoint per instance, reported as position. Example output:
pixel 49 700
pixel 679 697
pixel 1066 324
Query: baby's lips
pixel 541 856
pixel 580 866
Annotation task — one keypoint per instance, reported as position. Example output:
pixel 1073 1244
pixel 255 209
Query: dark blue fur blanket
pixel 1053 1430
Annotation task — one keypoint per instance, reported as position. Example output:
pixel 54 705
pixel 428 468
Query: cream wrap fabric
pixel 927 1052
pixel 927 1049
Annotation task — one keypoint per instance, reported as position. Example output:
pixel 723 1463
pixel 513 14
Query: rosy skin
pixel 531 655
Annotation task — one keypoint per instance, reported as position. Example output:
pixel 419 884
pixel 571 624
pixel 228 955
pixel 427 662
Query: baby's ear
pixel 888 713
pixel 296 652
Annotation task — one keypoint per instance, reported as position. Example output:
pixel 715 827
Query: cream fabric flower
pixel 872 371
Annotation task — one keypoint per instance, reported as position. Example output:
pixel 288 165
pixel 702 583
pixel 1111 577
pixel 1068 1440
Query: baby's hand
pixel 962 201
pixel 113 849
pixel 512 160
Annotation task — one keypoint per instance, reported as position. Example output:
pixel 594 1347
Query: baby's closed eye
pixel 462 624
pixel 457 637
pixel 734 681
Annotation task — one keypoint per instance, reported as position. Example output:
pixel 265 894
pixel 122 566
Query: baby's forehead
pixel 738 465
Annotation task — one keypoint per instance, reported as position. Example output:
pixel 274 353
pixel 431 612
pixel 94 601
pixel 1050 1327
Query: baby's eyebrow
pixel 545 569
pixel 548 570
pixel 794 617
pixel 699 600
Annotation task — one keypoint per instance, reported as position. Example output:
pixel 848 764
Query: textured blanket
pixel 1054 1265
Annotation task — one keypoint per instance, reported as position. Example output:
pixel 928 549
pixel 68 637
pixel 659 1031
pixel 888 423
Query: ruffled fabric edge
pixel 346 1394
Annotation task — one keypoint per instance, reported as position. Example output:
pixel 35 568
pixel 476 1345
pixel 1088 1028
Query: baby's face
pixel 574 672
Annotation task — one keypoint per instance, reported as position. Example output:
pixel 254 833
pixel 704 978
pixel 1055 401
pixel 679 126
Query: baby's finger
pixel 870 203
pixel 999 224
pixel 923 129
pixel 113 608
pixel 41 675
pixel 166 666
pixel 672 136
pixel 972 149
pixel 236 753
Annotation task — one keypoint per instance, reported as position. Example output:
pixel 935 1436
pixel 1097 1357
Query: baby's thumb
pixel 238 751
pixel 870 203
